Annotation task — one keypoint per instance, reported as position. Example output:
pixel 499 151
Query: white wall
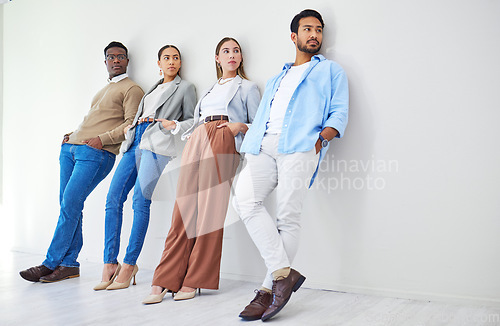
pixel 1 106
pixel 406 203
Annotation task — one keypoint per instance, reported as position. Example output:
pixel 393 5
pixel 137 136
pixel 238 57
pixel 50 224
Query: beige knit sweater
pixel 113 108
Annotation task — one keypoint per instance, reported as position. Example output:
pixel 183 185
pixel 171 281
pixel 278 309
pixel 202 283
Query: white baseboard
pixel 421 296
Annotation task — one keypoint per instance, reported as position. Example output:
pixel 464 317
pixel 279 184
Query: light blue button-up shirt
pixel 320 100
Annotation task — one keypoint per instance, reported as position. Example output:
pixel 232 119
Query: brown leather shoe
pixel 33 274
pixel 61 273
pixel 257 306
pixel 282 291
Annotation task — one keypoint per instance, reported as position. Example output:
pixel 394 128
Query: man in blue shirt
pixel 303 108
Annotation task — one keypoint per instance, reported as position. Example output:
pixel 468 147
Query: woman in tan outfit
pixel 191 258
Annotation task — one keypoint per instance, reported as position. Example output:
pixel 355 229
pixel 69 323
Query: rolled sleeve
pixel 338 114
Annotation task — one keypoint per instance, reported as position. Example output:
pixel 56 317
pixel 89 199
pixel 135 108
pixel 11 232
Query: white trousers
pixel 277 239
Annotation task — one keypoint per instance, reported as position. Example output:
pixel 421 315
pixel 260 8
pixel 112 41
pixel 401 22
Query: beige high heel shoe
pixel 103 285
pixel 155 298
pixel 117 285
pixel 186 295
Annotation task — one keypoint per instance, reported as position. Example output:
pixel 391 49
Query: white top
pixel 151 100
pixel 214 103
pixel 281 99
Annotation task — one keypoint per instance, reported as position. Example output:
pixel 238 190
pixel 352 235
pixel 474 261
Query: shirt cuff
pixel 177 127
pixel 105 138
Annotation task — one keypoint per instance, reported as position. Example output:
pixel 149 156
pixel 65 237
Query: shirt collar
pixel 116 79
pixel 318 57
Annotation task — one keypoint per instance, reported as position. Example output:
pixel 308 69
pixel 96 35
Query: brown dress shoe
pixel 61 273
pixel 282 290
pixel 257 306
pixel 33 274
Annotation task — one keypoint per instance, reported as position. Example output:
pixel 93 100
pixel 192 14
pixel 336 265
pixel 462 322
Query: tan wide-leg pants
pixel 193 246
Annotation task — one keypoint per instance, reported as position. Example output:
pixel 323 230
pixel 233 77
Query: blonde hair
pixel 240 71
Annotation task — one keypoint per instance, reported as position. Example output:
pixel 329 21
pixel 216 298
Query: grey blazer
pixel 177 103
pixel 241 105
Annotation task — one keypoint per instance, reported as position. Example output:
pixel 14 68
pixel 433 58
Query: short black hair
pixel 115 44
pixel 294 26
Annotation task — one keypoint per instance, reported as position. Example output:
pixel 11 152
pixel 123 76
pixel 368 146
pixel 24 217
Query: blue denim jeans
pixel 82 168
pixel 140 169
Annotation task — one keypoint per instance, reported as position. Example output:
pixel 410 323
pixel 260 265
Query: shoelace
pixel 275 294
pixel 259 299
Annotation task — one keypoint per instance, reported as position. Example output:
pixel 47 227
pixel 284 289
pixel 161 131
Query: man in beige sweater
pixel 87 156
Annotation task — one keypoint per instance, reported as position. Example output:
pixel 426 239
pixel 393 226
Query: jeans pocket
pixel 95 149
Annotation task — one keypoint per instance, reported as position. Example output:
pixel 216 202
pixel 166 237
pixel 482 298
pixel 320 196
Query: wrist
pixel 176 128
pixel 323 141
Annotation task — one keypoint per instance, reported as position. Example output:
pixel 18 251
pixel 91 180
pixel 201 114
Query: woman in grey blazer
pixel 166 109
pixel 193 247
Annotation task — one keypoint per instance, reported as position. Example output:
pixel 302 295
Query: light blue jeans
pixel 140 169
pixel 82 168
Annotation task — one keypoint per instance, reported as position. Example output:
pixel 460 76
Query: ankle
pixel 187 289
pixel 265 289
pixel 155 289
pixel 108 271
pixel 125 273
pixel 281 273
pixel 127 266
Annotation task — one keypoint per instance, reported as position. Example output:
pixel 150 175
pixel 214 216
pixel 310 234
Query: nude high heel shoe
pixel 155 298
pixel 103 285
pixel 186 295
pixel 117 285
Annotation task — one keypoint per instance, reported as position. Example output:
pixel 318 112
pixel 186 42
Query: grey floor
pixel 73 302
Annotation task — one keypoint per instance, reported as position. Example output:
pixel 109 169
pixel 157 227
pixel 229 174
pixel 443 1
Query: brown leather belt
pixel 145 120
pixel 216 118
